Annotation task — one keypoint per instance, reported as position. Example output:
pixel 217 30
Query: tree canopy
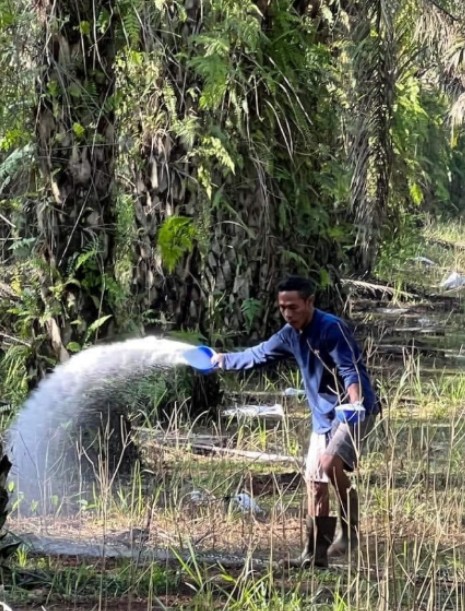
pixel 163 164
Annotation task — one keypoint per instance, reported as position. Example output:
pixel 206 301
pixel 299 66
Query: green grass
pixel 412 552
pixel 48 581
pixel 442 243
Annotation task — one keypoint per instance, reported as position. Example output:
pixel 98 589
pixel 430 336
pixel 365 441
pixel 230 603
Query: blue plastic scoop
pixel 200 358
pixel 351 413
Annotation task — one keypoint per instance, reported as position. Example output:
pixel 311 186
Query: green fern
pixel 176 238
pixel 130 20
pixel 14 162
pixel 251 309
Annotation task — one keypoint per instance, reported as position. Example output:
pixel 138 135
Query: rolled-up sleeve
pixel 273 349
pixel 345 353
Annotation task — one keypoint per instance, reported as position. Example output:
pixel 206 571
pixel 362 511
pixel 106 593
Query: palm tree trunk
pixel 5 466
pixel 75 128
pixel 371 151
pixel 247 236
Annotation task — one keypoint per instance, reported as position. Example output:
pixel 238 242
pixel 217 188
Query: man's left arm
pixel 346 355
pixel 355 396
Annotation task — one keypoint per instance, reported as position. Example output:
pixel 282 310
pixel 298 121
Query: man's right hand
pixel 217 360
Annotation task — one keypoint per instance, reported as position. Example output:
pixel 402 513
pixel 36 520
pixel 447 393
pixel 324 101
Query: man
pixel 334 373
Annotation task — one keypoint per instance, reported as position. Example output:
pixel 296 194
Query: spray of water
pixel 36 438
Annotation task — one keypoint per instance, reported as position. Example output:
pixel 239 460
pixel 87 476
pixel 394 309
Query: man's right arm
pixel 273 349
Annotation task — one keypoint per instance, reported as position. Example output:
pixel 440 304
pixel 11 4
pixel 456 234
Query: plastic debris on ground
pixel 245 503
pixel 254 411
pixel 199 497
pixel 454 281
pixel 393 311
pixel 294 392
pixel 424 261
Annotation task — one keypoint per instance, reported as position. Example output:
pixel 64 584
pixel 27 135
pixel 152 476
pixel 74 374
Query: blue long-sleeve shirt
pixel 329 360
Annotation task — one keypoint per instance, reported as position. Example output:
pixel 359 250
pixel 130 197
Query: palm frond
pixel 442 34
pixel 375 288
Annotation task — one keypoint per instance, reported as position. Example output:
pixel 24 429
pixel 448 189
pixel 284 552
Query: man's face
pixel 296 310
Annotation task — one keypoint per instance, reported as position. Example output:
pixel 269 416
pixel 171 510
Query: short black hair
pixel 304 286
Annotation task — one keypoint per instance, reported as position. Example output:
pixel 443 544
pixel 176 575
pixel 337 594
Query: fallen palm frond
pixel 377 288
pixel 39 545
pixel 248 454
pixel 446 243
